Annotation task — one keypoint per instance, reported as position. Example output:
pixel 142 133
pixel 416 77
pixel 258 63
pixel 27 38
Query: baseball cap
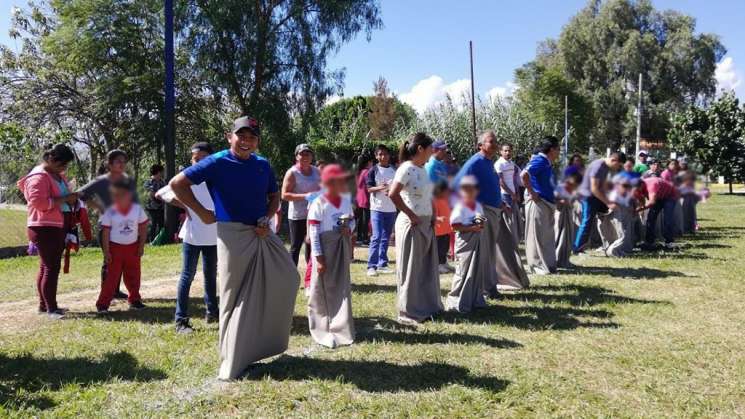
pixel 642 153
pixel 246 122
pixel 302 147
pixel 202 146
pixel 439 145
pixel 332 172
pixel 468 180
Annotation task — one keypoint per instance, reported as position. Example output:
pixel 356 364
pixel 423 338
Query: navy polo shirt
pixel 542 177
pixel 483 170
pixel 239 188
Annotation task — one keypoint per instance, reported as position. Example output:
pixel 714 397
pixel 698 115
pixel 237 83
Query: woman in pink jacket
pixel 47 195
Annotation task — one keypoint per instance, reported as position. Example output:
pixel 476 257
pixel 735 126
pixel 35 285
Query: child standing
pixel 124 233
pixel 508 185
pixel 473 270
pixel 382 211
pixel 564 221
pixel 688 201
pixel 330 224
pixel 616 228
pixel 442 226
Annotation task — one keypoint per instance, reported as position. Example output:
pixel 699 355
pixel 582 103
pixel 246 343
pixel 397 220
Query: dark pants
pixel 362 219
pixel 298 233
pixel 443 246
pixel 666 206
pixel 190 254
pixel 125 262
pixel 591 206
pixel 51 243
pixel 157 221
pixel 382 228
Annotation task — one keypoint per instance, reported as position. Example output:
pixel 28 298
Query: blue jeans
pixel 668 207
pixel 382 227
pixel 591 206
pixel 209 268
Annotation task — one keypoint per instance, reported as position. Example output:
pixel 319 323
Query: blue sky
pixel 423 49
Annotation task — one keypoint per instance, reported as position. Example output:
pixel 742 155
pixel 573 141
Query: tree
pixel 714 137
pixel 382 111
pixel 269 57
pixel 602 51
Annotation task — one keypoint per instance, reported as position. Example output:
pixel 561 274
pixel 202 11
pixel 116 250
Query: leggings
pixel 443 246
pixel 51 243
pixel 298 233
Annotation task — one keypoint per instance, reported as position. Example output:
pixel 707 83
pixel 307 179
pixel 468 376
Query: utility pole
pixel 639 117
pixel 169 143
pixel 473 97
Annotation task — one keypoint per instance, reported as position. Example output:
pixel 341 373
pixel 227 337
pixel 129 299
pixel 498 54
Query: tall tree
pixel 382 111
pixel 605 47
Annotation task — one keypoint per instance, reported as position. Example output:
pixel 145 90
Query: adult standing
pixel 641 165
pixel 300 184
pixel 594 196
pixel 661 197
pixel 362 200
pixel 153 205
pixel 47 196
pixel 509 273
pixel 382 211
pixel 258 281
pixel 417 278
pixel 508 173
pixel 540 187
pixel 198 238
pixel 97 195
pixel 436 168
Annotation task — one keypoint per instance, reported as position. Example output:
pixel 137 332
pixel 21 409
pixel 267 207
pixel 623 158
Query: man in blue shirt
pixel 509 272
pixel 540 186
pixel 436 167
pixel 253 264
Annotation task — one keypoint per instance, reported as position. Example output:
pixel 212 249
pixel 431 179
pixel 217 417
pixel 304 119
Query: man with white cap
pixel 641 166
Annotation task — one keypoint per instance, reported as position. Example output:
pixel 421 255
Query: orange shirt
pixel 442 214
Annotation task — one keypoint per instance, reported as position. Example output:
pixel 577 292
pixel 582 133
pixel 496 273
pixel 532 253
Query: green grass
pixel 651 335
pixel 12 228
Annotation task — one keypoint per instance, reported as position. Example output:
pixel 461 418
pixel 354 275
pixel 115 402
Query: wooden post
pixel 473 97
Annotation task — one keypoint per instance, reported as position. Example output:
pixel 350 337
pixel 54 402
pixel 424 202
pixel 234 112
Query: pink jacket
pixel 39 188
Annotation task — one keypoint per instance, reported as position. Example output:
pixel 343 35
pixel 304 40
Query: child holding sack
pixel 564 226
pixel 472 269
pixel 124 234
pixel 330 226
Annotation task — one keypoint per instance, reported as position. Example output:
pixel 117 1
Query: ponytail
pixel 411 146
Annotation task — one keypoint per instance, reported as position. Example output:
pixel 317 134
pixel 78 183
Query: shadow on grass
pixel 627 272
pixel 158 310
pixel 22 377
pixel 375 376
pixel 575 295
pixel 535 318
pixel 372 288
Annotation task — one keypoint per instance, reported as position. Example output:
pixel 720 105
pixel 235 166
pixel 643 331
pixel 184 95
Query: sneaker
pixel 102 310
pixel 119 295
pixel 384 270
pixel 406 321
pixel 137 305
pixel 183 327
pixel 56 314
pixel 443 269
pixel 211 318
pixel 372 272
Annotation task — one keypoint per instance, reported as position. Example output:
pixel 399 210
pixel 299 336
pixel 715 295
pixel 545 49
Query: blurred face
pixel 423 154
pixel 122 198
pixel 673 166
pixel 197 156
pixel 623 188
pixel 654 167
pixel 468 194
pixel 441 154
pixel 118 165
pixel 570 185
pixel 489 146
pixel 55 167
pixel 336 187
pixel 553 154
pixel 383 158
pixel 642 158
pixel 243 143
pixel 614 163
pixel 506 152
pixel 628 166
pixel 304 158
pixel 577 161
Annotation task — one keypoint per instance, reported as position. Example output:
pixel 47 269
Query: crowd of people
pixel 476 215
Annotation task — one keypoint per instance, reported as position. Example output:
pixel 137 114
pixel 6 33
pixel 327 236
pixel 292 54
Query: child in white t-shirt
pixel 616 228
pixel 124 233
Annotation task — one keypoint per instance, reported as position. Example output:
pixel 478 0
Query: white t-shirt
pixel 624 201
pixel 506 170
pixel 327 215
pixel 123 227
pixel 379 200
pixel 417 188
pixel 462 214
pixel 194 231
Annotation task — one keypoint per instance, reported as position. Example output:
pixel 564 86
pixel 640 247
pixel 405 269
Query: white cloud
pixel 332 99
pixel 433 90
pixel 503 92
pixel 727 75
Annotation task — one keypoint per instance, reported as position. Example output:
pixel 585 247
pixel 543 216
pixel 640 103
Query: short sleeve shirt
pixel 194 231
pixel 326 215
pixel 239 188
pixel 541 176
pixel 596 170
pixel 417 188
pixel 506 170
pixel 483 169
pixel 659 187
pixel 436 170
pixel 124 227
pixel 378 176
pixel 464 215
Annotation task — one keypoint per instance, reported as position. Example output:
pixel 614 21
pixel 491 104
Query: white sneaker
pixel 385 270
pixel 443 269
pixel 372 272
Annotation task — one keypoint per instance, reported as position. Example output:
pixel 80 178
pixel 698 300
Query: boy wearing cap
pixel 641 165
pixel 436 168
pixel 258 281
pixel 330 227
pixel 300 186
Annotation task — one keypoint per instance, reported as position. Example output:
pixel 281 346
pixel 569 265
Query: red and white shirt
pixel 124 226
pixel 324 214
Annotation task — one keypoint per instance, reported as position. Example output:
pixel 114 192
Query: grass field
pixel 12 228
pixel 657 335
